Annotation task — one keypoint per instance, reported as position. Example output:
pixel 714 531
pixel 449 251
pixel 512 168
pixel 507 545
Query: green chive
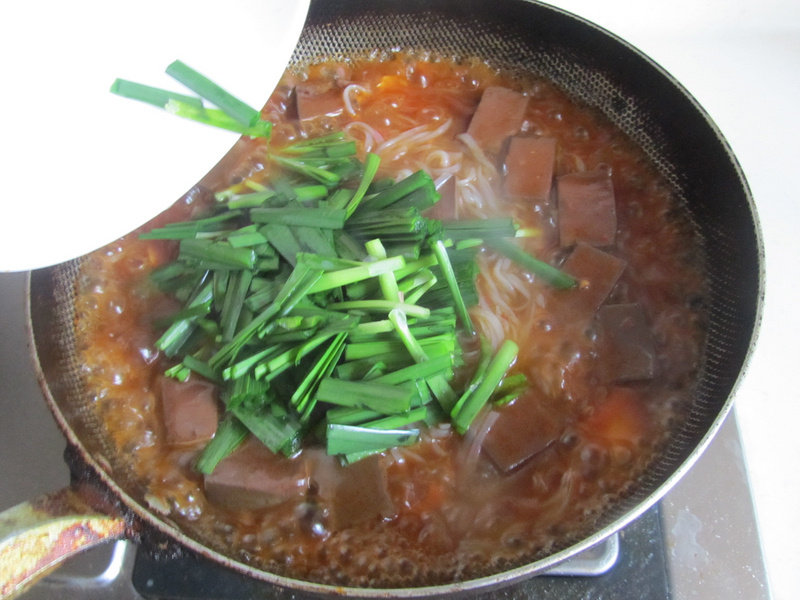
pixel 549 273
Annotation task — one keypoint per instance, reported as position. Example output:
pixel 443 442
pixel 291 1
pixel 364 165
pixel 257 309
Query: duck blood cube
pixel 586 208
pixel 529 167
pixel 626 343
pixel 361 494
pixel 597 273
pixel 189 409
pixel 499 115
pixel 522 429
pixel 254 477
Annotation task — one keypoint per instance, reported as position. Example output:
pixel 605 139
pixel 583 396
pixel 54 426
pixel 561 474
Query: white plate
pixel 81 166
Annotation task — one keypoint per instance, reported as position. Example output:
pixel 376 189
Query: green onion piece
pixel 283 240
pixel 188 107
pixel 371 165
pixel 450 277
pixel 485 229
pixel 250 200
pixel 180 372
pixel 351 439
pixel 399 190
pixel 347 276
pixel 200 367
pixel 217 255
pixel 326 218
pixel 173 339
pixel 349 415
pixel 209 90
pixel 547 272
pixel 306 193
pixel 437 383
pixel 246 239
pixel 433 366
pixel 380 397
pixel 294 289
pixel 303 398
pixel 387 280
pixel 240 368
pixel 238 286
pixel 381 306
pixel 511 388
pixel 356 350
pixel 398 421
pixel 152 95
pixel 315 240
pixel 230 433
pixel 318 173
pixel 468 407
pixel 279 433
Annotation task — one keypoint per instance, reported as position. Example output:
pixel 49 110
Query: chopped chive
pixel 246 239
pixel 468 407
pixel 423 370
pixel 318 173
pixel 173 339
pixel 371 165
pixel 326 218
pixel 450 277
pixel 188 107
pixel 200 367
pixel 484 229
pixel 305 193
pixel 397 421
pixel 217 255
pixel 351 439
pixel 387 280
pixel 547 272
pixel 349 415
pixel 209 90
pixel 251 200
pixel 437 383
pixel 399 190
pixel 278 433
pixel 380 397
pixel 304 398
pixel 315 240
pixel 238 286
pixel 346 276
pixel 283 240
pixel 381 306
pixel 230 434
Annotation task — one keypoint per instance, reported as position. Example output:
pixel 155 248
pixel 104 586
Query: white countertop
pixel 741 60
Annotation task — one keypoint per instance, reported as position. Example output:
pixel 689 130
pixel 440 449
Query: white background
pixel 741 60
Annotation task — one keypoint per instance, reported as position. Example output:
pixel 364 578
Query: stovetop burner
pixel 628 566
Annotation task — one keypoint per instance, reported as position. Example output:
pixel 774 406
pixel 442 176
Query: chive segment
pixel 470 404
pixel 547 272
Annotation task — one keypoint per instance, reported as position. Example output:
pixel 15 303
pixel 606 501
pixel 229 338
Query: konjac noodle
pixel 610 364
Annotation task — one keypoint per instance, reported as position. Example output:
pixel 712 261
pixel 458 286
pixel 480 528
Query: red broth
pixel 456 511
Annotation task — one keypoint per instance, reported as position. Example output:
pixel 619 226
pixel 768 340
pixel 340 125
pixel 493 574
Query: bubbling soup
pixel 610 364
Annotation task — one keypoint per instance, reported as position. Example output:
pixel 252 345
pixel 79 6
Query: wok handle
pixel 37 536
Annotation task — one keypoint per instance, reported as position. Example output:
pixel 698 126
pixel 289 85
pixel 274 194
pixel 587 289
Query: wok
pixel 591 65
